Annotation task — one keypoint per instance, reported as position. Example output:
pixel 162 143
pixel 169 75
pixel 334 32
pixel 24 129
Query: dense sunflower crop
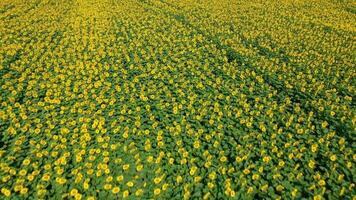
pixel 168 99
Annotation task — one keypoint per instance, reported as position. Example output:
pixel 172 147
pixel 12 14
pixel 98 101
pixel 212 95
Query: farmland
pixel 177 99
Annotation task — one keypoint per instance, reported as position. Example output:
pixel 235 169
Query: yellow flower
pixel 42 192
pixel 263 128
pixel 115 190
pixel 139 167
pixel 61 181
pixel 186 194
pixel 321 182
pixel 317 197
pixel 30 177
pixel 212 176
pixel 46 177
pixel 349 165
pixel 125 135
pixel 227 191
pixel 340 177
pixel 255 177
pixel 17 188
pixel 109 179
pixel 196 144
pixel 223 159
pixel 150 159
pixel 73 192
pixel 107 186
pixel 333 157
pixel 91 198
pixel 139 192
pixel 324 124
pixel 249 124
pixel 266 159
pixel 193 170
pixel 294 192
pixel 86 185
pixel 314 147
pixel 165 186
pixel 22 172
pixel 238 159
pixel 90 171
pixel 332 113
pixel 311 164
pixel 207 164
pixel 26 162
pixel 232 193
pixel 120 178
pixel 281 163
pixel 279 188
pixel 125 194
pixel 78 196
pixel 264 187
pixel 126 167
pixel 300 131
pixel 157 180
pixel 6 192
pixel 157 191
pixel 130 184
pixel 246 171
pixel 179 179
pixel 206 196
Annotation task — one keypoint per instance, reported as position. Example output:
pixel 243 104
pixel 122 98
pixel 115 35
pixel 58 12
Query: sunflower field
pixel 177 99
